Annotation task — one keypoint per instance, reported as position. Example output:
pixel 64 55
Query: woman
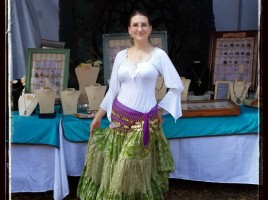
pixel 131 158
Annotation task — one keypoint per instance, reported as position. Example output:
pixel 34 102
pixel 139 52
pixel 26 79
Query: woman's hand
pixel 96 121
pixel 94 124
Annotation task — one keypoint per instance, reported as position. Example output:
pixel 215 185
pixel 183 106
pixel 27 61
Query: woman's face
pixel 139 28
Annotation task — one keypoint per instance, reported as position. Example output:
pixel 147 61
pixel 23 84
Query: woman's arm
pixel 97 121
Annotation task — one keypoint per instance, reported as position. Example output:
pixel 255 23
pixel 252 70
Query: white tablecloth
pixel 221 159
pixel 38 168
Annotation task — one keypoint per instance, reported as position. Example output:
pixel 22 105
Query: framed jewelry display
pixel 222 90
pixel 47 67
pixel 204 108
pixel 234 56
pixel 114 42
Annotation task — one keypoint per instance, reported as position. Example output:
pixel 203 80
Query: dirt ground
pixel 179 190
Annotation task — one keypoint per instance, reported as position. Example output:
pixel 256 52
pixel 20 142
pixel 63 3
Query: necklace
pixel 27 107
pixel 161 86
pixel 198 81
pixel 140 55
pixel 17 88
pixel 238 98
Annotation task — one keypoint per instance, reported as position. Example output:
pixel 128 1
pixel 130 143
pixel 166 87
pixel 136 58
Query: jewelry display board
pixel 47 67
pixel 234 56
pixel 113 43
pixel 204 108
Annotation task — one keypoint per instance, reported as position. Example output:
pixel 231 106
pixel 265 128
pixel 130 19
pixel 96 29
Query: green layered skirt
pixel 119 166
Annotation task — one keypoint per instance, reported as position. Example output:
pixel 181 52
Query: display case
pixel 205 108
pixel 234 56
pixel 47 67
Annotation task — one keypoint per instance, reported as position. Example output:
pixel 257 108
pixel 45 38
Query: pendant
pixel 24 112
pixel 238 101
pixel 199 82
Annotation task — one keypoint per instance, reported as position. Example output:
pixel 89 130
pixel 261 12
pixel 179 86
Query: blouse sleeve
pixel 171 102
pixel 114 86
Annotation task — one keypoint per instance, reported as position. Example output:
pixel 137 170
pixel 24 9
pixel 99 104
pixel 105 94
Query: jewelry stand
pixel 95 94
pixel 17 88
pixel 199 77
pixel 69 100
pixel 160 88
pixel 86 75
pixel 239 90
pixel 46 97
pixel 186 83
pixel 27 104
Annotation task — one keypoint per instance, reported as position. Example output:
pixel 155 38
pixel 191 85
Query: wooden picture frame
pixel 47 67
pixel 234 56
pixel 204 108
pixel 114 42
pixel 222 90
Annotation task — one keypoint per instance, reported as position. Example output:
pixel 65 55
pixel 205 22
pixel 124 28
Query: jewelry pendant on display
pixel 199 83
pixel 238 101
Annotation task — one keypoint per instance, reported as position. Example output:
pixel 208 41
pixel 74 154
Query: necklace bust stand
pixel 86 75
pixel 69 100
pixel 46 97
pixel 186 83
pixel 199 78
pixel 239 90
pixel 95 93
pixel 160 88
pixel 27 104
pixel 17 88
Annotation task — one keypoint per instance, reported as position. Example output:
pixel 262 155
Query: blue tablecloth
pixel 77 130
pixel 34 130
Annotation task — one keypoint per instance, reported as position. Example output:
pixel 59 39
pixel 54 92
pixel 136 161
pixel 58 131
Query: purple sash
pixel 127 117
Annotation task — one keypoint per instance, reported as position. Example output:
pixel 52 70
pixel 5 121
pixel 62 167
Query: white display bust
pixel 86 75
pixel 27 104
pixel 160 88
pixel 238 91
pixel 46 97
pixel 69 100
pixel 186 84
pixel 95 93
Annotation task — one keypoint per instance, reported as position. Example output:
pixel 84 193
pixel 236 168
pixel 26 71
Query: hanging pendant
pixel 24 112
pixel 199 82
pixel 238 101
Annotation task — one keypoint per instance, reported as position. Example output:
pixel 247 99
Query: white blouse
pixel 133 84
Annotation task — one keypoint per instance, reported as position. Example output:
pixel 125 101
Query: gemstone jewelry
pixel 198 81
pixel 238 99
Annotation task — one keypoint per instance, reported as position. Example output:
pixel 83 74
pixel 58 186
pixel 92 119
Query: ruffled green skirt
pixel 118 166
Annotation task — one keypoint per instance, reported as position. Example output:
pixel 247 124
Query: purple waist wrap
pixel 127 117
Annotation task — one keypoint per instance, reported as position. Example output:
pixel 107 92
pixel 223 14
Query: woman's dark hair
pixel 139 12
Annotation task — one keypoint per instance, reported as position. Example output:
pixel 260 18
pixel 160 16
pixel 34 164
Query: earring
pixel 131 40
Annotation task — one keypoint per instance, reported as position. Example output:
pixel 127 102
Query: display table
pixel 213 149
pixel 36 165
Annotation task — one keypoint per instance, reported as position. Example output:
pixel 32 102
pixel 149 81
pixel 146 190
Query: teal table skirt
pixel 35 130
pixel 77 130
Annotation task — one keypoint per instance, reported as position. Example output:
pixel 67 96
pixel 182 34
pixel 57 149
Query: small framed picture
pixel 47 67
pixel 222 90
